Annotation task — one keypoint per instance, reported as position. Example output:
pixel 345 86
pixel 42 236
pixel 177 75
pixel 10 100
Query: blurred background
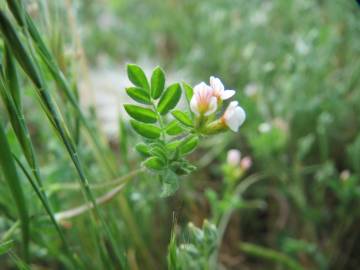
pixel 296 68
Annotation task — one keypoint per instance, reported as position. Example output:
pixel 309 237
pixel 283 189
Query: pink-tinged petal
pixel 194 105
pixel 198 88
pixel 212 106
pixel 217 86
pixel 227 94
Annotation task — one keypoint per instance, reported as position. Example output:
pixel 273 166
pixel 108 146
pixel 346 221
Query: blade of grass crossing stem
pixel 21 131
pixel 31 68
pixel 13 180
pixel 18 123
pixel 44 201
pixel 24 19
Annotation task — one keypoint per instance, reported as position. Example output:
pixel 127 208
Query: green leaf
pixel 189 144
pixel 182 166
pixel 174 128
pixel 183 118
pixel 137 76
pixel 157 82
pixel 170 183
pixel 188 91
pixel 169 99
pixel 159 151
pixel 141 114
pixel 171 146
pixel 146 130
pixel 154 163
pixel 143 149
pixel 138 94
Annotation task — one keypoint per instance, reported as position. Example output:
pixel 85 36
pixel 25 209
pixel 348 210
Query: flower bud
pixel 246 163
pixel 233 157
pixel 234 116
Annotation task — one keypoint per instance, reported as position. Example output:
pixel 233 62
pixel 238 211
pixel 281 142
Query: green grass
pixel 295 66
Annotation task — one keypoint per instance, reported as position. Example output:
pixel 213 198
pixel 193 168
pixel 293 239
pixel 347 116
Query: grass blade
pixel 13 180
pixel 271 255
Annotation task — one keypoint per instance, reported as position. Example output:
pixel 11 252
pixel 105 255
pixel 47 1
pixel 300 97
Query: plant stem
pixel 271 255
pixel 224 221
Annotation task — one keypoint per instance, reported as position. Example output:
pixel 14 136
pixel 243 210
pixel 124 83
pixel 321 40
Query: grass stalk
pixel 12 178
pixel 29 65
pixel 25 21
pixel 17 120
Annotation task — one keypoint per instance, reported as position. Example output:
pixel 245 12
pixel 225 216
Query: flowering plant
pixel 171 134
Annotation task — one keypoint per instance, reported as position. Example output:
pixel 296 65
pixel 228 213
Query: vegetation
pixel 179 187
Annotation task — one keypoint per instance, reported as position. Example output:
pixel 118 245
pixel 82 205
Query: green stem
pixel 224 221
pixel 271 255
pixel 161 123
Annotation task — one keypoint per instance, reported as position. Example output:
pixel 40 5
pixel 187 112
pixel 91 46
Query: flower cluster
pixel 170 133
pixel 207 100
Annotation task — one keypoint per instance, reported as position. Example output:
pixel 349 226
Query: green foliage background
pixel 303 60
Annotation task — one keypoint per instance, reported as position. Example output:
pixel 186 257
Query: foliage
pixel 295 67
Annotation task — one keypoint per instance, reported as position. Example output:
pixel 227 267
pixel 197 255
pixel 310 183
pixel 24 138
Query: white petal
pixel 216 84
pixel 212 106
pixel 232 105
pixel 234 116
pixel 240 114
pixel 227 94
pixel 232 123
pixel 194 105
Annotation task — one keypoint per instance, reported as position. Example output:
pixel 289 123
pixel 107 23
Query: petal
pixel 235 118
pixel 194 105
pixel 227 94
pixel 212 106
pixel 216 84
pixel 232 123
pixel 232 105
pixel 240 114
pixel 198 88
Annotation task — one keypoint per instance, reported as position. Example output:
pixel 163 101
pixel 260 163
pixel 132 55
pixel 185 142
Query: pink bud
pixel 246 163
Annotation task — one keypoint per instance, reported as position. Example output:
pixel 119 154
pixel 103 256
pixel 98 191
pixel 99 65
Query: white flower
pixel 345 175
pixel 219 90
pixel 233 157
pixel 234 116
pixel 301 46
pixel 264 127
pixel 251 89
pixel 203 100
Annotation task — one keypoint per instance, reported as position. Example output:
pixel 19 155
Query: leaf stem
pixel 73 212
